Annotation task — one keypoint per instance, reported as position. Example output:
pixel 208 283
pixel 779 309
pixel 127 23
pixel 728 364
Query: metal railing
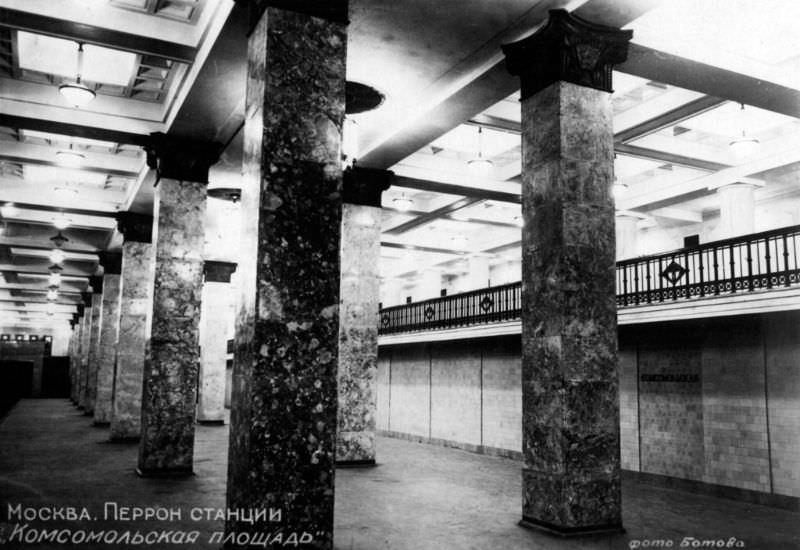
pixel 741 264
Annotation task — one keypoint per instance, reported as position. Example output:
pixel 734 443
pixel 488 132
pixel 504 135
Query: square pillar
pixel 86 340
pixel 283 415
pixel 169 390
pixel 96 282
pixel 136 298
pixel 570 404
pixel 215 318
pixel 358 314
pixel 74 340
pixel 109 330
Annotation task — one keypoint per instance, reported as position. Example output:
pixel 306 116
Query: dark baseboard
pixel 173 473
pixel 479 449
pixel 356 463
pixel 772 500
pixel 211 422
pixel 561 531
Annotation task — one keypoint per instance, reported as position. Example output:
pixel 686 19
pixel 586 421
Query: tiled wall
pixel 715 401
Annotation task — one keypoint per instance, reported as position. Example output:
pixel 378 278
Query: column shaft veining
pixel 358 314
pixel 283 416
pixel 172 364
pixel 96 283
pixel 571 472
pixel 215 317
pixel 109 330
pixel 138 268
pixel 86 339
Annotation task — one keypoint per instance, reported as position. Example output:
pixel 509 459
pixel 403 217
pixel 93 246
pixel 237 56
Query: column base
pixel 562 531
pixel 171 473
pixel 100 424
pixel 211 422
pixel 369 463
pixel 124 440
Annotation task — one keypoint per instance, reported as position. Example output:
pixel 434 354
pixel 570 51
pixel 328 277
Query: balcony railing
pixel 742 264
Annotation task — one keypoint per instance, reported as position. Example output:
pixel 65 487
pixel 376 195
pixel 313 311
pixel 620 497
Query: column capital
pixel 96 282
pixel 87 298
pixel 135 227
pixel 567 48
pixel 218 272
pixel 332 10
pixel 181 159
pixel 111 262
pixel 81 309
pixel 365 185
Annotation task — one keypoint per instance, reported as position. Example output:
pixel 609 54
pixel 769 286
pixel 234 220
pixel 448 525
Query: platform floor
pixel 419 497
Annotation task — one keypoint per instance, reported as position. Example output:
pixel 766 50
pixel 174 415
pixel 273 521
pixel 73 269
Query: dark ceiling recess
pixel 360 98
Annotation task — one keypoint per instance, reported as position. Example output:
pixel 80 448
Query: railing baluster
pixel 701 268
pixel 647 267
pixel 733 270
pixel 786 260
pixel 716 272
pixel 767 259
pixel 749 268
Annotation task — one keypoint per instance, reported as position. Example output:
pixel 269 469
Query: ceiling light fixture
pixel 8 210
pixel 54 279
pixel 57 256
pixel 480 165
pixel 402 203
pixel 59 239
pixel 52 294
pixel 70 157
pixel 77 93
pixel 60 222
pixel 744 146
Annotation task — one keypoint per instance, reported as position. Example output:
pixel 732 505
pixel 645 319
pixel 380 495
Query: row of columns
pixel 305 337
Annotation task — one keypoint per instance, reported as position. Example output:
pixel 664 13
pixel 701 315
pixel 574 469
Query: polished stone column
pixel 138 270
pixel 737 207
pixel 109 330
pixel 283 416
pixel 215 317
pixel 96 283
pixel 86 340
pixel 358 311
pixel 74 342
pixel 570 403
pixel 169 392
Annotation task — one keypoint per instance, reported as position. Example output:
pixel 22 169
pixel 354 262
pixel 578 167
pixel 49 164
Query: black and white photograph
pixel 400 274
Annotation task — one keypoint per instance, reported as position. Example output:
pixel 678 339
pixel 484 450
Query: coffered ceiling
pixel 178 66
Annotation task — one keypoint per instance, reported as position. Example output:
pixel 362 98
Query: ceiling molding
pixel 73 130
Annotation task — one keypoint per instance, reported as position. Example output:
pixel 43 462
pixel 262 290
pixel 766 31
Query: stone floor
pixel 419 497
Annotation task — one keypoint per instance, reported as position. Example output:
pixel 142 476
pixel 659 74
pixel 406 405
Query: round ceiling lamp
pixel 8 210
pixel 360 98
pixel 52 294
pixel 76 93
pixel 70 158
pixel 479 165
pixel 403 203
pixel 744 146
pixel 57 256
pixel 61 222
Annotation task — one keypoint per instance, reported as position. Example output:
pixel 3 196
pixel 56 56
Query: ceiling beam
pixel 433 215
pixel 76 130
pixel 85 168
pixel 450 189
pixel 673 116
pixel 99 36
pixel 416 248
pixel 668 158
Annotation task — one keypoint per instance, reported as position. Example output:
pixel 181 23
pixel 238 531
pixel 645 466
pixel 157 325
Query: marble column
pixel 169 392
pixel 86 340
pixel 570 404
pixel 74 323
pixel 626 233
pixel 359 293
pixel 109 330
pixel 215 314
pixel 283 415
pixel 96 283
pixel 136 298
pixel 736 210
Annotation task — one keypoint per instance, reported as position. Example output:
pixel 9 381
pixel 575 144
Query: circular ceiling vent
pixel 360 98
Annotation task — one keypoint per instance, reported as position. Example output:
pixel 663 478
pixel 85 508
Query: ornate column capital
pixel 567 48
pixel 135 227
pixel 365 185
pixel 96 282
pixel 181 159
pixel 332 10
pixel 111 262
pixel 218 272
